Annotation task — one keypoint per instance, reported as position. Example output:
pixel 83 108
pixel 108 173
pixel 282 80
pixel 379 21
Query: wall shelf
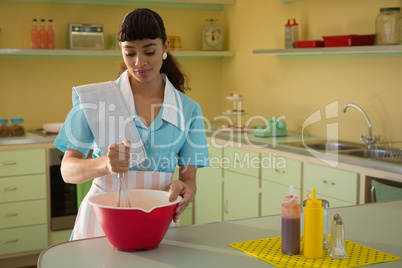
pixel 195 4
pixel 334 52
pixel 103 54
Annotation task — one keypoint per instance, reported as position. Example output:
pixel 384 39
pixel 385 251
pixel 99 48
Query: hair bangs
pixel 140 25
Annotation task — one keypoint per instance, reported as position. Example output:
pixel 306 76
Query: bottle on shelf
pixel 313 227
pixel 50 35
pixel 35 40
pixel 43 34
pixel 290 231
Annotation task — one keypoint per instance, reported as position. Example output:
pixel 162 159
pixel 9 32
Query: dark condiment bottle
pixel 291 224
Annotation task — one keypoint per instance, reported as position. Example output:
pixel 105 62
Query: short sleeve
pixel 75 133
pixel 195 148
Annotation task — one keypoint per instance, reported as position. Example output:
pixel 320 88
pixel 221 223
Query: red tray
pixel 309 43
pixel 349 40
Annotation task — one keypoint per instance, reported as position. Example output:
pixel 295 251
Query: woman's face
pixel 143 58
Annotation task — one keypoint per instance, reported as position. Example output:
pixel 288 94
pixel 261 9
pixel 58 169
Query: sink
pixel 327 146
pixel 368 153
pixel 392 155
pixel 389 155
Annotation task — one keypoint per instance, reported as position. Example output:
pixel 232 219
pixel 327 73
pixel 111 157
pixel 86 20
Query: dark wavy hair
pixel 144 23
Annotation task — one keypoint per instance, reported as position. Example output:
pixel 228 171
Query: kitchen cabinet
pixel 208 200
pixel 241 184
pixel 186 217
pixel 275 181
pixel 23 204
pixel 241 196
pixel 339 187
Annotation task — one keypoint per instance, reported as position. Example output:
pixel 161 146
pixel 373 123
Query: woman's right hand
pixel 118 157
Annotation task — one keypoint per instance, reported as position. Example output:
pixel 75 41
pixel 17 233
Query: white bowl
pixel 52 127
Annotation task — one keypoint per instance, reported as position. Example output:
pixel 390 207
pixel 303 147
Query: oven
pixel 63 196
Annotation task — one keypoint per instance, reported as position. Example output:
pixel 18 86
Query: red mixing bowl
pixel 142 226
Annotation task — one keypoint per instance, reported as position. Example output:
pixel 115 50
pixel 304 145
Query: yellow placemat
pixel 269 250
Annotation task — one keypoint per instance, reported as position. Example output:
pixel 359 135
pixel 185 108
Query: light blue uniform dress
pixel 176 136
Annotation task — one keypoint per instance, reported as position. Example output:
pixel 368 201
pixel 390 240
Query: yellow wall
pixel 296 88
pixel 39 90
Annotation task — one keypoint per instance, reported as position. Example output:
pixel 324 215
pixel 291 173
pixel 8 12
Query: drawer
pixel 25 162
pixel 332 182
pixel 23 213
pixel 30 238
pixel 281 170
pixel 242 161
pixel 22 188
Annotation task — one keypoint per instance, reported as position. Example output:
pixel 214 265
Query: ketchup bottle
pixel 291 224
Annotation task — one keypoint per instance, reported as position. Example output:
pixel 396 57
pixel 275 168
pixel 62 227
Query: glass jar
pixel 17 127
pixel 4 128
pixel 389 26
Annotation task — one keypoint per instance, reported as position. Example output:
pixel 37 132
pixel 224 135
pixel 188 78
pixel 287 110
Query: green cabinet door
pixel 208 199
pixel 186 217
pixel 241 196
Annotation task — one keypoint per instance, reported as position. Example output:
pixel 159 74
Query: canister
pixel 4 128
pixel 17 127
pixel 389 26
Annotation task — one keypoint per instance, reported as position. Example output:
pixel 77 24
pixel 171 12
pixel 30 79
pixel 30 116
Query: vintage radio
pixel 85 36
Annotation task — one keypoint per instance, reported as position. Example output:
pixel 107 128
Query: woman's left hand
pixel 184 187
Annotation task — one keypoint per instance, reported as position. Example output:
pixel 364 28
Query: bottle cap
pixel 313 202
pixel 17 120
pixel 390 9
pixel 291 199
pixel 291 22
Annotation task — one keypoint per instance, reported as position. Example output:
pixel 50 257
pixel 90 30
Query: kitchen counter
pixel 280 144
pixel 372 225
pixel 246 138
pixel 30 137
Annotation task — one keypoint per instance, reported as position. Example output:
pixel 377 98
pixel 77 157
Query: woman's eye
pixel 150 53
pixel 129 54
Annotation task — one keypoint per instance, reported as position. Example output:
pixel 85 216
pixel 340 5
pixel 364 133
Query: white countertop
pixel 373 225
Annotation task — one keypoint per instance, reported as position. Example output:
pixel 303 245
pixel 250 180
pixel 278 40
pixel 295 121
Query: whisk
pixel 122 196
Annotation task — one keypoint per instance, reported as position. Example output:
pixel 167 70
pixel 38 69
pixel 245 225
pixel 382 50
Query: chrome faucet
pixel 367 139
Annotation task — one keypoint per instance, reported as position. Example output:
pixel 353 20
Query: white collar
pixel 172 110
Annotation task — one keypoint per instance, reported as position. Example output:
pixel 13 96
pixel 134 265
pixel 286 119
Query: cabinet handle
pixel 7 163
pixel 225 207
pixel 280 170
pixel 9 241
pixel 8 215
pixel 8 189
pixel 329 182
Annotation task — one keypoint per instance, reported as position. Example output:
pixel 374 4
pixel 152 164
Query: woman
pixel 159 126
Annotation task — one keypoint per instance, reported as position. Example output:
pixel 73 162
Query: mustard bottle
pixel 313 227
